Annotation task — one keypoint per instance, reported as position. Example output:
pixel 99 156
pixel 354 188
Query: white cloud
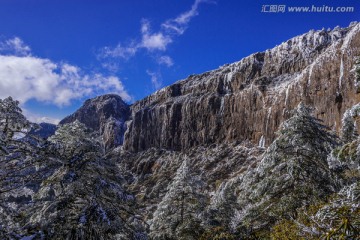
pixel 155 79
pixel 35 118
pixel 14 46
pixel 165 60
pixel 119 51
pixel 26 77
pixel 179 24
pixel 154 41
pixel 29 77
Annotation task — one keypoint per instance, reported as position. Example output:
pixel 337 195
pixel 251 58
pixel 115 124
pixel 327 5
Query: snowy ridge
pixel 216 106
pixel 307 47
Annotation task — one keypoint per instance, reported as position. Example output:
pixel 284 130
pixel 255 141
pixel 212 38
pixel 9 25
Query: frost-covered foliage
pixel 20 153
pixel 64 188
pixel 357 75
pixel 152 172
pixel 337 217
pixel 293 173
pixel 340 218
pixel 84 198
pixel 74 141
pixel 223 208
pixel 345 159
pixel 348 130
pixel 15 152
pixel 177 215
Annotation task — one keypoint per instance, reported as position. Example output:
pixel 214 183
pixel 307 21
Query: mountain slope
pixel 250 98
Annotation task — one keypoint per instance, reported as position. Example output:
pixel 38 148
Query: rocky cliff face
pixel 250 98
pixel 106 114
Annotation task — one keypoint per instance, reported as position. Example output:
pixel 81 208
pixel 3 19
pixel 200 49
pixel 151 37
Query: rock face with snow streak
pixel 250 98
pixel 106 114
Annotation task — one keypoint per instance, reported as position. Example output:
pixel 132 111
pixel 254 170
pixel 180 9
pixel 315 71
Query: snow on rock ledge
pixel 232 103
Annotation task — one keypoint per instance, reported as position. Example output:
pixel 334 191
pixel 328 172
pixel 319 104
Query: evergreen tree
pixel 177 215
pixel 293 173
pixel 348 129
pixel 84 198
pixel 16 154
pixel 20 158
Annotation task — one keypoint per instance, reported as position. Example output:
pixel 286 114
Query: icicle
pixel 341 73
pixel 262 142
pixel 222 104
pixel 310 73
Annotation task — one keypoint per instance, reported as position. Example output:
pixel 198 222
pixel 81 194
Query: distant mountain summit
pixel 106 114
pixel 45 130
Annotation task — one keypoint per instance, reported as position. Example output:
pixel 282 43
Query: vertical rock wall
pixel 249 99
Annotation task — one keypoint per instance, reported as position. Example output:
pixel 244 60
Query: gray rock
pixel 107 115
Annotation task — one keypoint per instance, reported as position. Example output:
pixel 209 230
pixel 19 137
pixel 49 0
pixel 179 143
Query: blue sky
pixel 55 54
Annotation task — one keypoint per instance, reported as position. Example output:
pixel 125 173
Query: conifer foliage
pixel 20 157
pixel 84 198
pixel 293 173
pixel 72 190
pixel 177 215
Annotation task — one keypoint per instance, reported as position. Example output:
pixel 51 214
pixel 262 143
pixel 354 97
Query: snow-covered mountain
pixel 233 153
pixel 249 99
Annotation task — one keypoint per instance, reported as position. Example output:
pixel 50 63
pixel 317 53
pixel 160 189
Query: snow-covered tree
pixel 357 75
pixel 345 159
pixel 84 198
pixel 15 152
pixel 298 158
pixel 293 173
pixel 20 154
pixel 177 215
pixel 348 130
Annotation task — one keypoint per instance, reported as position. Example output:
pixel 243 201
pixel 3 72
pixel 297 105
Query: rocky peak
pixel 250 98
pixel 106 114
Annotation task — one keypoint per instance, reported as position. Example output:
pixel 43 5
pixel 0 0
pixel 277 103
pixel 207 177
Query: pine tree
pixel 299 154
pixel 177 214
pixel 84 198
pixel 293 173
pixel 348 129
pixel 15 153
pixel 20 157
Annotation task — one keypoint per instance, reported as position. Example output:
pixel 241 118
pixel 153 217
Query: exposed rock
pixel 106 114
pixel 45 130
pixel 149 173
pixel 249 99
